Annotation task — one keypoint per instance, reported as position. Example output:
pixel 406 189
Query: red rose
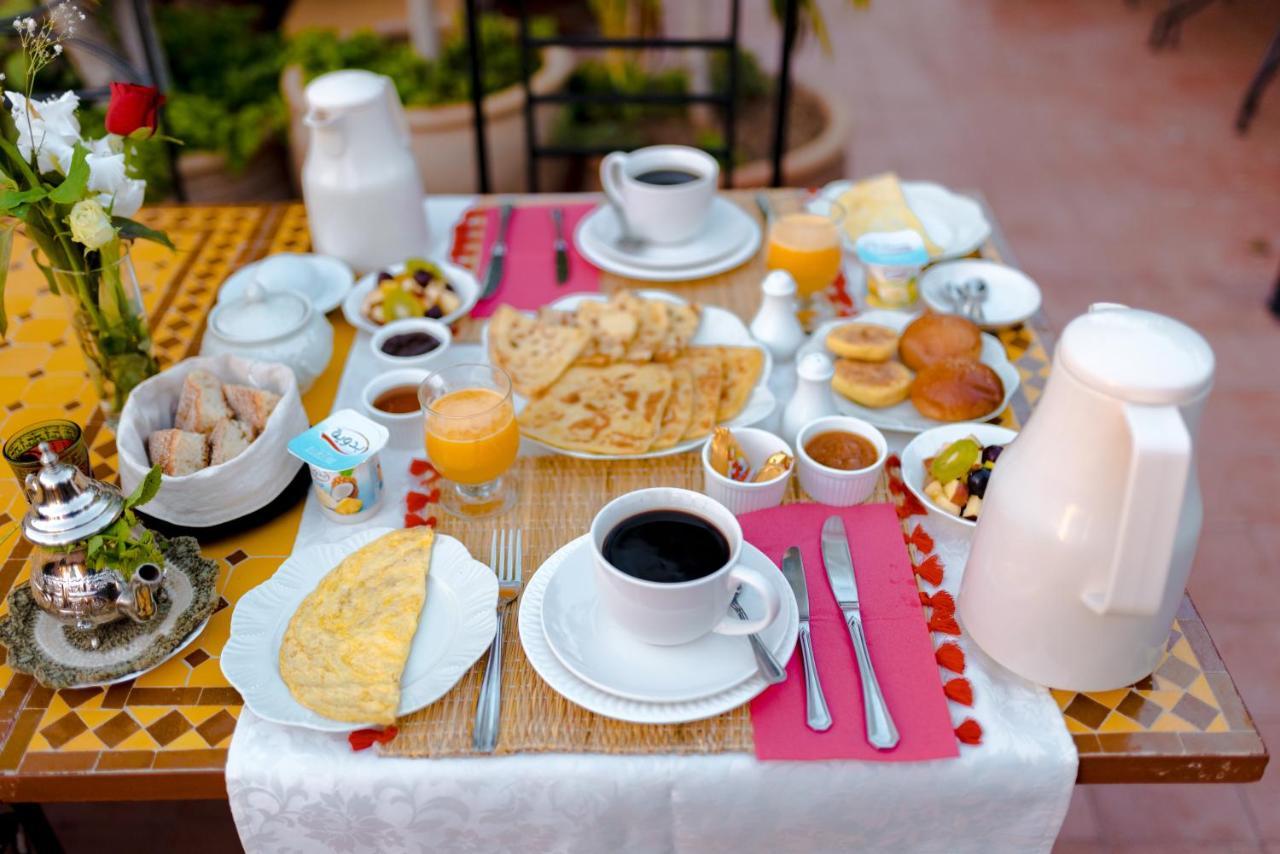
pixel 132 107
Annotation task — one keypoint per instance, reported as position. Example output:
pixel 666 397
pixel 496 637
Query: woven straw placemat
pixel 558 498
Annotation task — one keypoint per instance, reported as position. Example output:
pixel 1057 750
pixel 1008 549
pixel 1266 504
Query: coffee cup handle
pixel 731 625
pixel 611 180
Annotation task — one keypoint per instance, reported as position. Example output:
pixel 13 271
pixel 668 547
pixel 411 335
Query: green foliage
pixel 73 187
pixel 210 124
pixel 753 83
pixel 132 229
pixel 119 547
pixel 419 81
pixel 617 124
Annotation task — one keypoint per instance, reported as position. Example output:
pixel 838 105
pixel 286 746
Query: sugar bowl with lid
pixel 272 326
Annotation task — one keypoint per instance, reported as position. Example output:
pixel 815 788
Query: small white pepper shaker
pixel 812 398
pixel 775 324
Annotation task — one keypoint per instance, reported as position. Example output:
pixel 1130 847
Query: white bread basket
pixel 221 493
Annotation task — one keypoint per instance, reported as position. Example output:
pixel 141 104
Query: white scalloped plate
pixel 457 624
pixel 591 698
pixel 717 326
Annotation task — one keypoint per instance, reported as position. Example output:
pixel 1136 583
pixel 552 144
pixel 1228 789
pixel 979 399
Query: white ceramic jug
pixel 1090 521
pixel 362 189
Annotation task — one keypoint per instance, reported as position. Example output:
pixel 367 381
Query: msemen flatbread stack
pixel 532 353
pixel 679 411
pixel 347 644
pixel 878 204
pixel 740 370
pixel 704 366
pixel 616 409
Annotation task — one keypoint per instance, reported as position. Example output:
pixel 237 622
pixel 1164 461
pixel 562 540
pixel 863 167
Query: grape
pixel 384 276
pixel 954 460
pixel 977 482
pixel 991 453
pixel 422 277
pixel 435 312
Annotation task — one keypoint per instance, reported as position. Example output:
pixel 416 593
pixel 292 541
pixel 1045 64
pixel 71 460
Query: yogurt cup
pixel 346 474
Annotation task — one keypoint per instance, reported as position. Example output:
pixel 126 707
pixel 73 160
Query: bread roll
pixel 957 389
pixel 866 342
pixel 874 384
pixel 934 337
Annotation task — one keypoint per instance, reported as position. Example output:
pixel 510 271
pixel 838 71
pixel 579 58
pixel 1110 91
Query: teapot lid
pixel 344 89
pixel 66 504
pixel 1135 355
pixel 260 315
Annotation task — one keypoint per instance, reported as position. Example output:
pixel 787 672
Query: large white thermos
pixel 360 183
pixel 1090 521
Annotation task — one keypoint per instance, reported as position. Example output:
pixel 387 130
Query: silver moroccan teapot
pixel 67 508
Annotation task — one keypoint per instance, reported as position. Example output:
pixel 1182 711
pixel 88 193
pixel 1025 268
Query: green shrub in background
pixel 617 124
pixel 419 81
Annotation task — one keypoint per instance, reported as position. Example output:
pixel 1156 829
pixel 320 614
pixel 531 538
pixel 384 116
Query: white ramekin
pixel 434 328
pixel 929 444
pixel 839 487
pixel 741 497
pixel 406 428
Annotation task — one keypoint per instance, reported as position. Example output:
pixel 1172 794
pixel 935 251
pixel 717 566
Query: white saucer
pixel 591 698
pixel 731 238
pixel 1012 297
pixel 602 654
pixel 322 279
pixel 955 223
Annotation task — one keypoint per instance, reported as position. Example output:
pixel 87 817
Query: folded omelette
pixel 347 644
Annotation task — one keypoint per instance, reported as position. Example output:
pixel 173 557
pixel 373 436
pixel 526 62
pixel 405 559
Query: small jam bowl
pixel 434 328
pixel 740 497
pixel 839 487
pixel 406 428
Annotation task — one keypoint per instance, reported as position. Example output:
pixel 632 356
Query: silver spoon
pixel 976 290
pixel 768 666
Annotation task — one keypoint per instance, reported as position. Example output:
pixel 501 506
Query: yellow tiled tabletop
pixel 165 734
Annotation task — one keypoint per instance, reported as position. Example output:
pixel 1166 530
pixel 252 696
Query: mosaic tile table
pixel 165 734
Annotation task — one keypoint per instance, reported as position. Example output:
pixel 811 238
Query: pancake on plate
pixel 866 342
pixel 873 384
pixel 532 353
pixel 611 327
pixel 740 371
pixel 704 367
pixel 679 411
pixel 655 321
pixel 878 204
pixel 682 326
pixel 616 409
pixel 347 644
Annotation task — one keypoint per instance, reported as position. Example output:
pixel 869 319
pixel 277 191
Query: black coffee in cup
pixel 667 177
pixel 666 546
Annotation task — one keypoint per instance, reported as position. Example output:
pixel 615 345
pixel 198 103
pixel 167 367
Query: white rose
pixel 90 224
pixel 106 172
pixel 49 128
pixel 127 199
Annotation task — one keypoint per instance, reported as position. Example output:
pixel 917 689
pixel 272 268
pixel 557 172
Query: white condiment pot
pixel 272 326
pixel 1090 521
pixel 360 183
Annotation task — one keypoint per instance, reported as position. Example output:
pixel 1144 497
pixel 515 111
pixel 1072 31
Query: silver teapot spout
pixel 138 599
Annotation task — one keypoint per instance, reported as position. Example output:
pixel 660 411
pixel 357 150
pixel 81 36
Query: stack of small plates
pixel 731 237
pixel 592 662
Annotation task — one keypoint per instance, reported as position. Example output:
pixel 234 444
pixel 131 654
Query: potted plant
pixel 436 96
pixel 73 198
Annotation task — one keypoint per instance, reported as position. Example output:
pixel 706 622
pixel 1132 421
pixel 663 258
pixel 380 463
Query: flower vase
pixel 110 321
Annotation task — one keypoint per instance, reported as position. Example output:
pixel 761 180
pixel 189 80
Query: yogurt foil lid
pixel 342 441
pixel 892 248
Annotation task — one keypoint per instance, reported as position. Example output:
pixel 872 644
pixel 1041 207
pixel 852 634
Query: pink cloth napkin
pixel 529 276
pixel 897 635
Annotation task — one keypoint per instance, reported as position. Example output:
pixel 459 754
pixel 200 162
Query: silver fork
pixel 505 558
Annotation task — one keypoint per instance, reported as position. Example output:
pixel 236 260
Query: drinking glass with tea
pixel 804 240
pixel 471 437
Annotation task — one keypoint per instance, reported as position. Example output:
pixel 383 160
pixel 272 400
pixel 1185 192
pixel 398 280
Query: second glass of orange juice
pixel 471 437
pixel 804 240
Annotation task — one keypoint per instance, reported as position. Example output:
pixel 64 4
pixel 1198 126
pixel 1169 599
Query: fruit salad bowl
pixel 929 444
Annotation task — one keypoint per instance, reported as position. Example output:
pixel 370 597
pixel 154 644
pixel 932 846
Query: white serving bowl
pixel 434 328
pixel 839 487
pixel 742 497
pixel 460 279
pixel 928 444
pixel 406 427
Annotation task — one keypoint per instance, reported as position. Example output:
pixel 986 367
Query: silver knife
pixel 881 732
pixel 493 274
pixel 815 704
pixel 562 251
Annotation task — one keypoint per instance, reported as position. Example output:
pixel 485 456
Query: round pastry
pixel 956 390
pixel 874 384
pixel 866 342
pixel 933 337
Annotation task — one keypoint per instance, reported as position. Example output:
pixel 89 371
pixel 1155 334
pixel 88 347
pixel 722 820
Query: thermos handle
pixel 1159 466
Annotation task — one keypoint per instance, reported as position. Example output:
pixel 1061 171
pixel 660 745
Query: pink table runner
pixel 529 277
pixel 897 635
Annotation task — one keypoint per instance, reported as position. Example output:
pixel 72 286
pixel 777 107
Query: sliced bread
pixel 228 439
pixel 201 404
pixel 252 406
pixel 178 452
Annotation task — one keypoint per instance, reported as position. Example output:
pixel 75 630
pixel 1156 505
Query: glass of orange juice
pixel 471 437
pixel 804 240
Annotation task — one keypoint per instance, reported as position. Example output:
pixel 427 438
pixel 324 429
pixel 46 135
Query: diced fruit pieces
pixel 972 508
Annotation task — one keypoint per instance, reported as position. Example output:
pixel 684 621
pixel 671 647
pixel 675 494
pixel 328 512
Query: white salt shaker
pixel 812 398
pixel 775 324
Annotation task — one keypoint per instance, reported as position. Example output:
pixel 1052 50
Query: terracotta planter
pixel 443 139
pixel 817 161
pixel 207 178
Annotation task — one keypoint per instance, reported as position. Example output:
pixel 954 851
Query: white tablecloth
pixel 295 790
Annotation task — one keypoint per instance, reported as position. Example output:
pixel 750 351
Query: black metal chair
pixel 536 150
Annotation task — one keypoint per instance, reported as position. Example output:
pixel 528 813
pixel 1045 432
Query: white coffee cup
pixel 664 613
pixel 661 213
